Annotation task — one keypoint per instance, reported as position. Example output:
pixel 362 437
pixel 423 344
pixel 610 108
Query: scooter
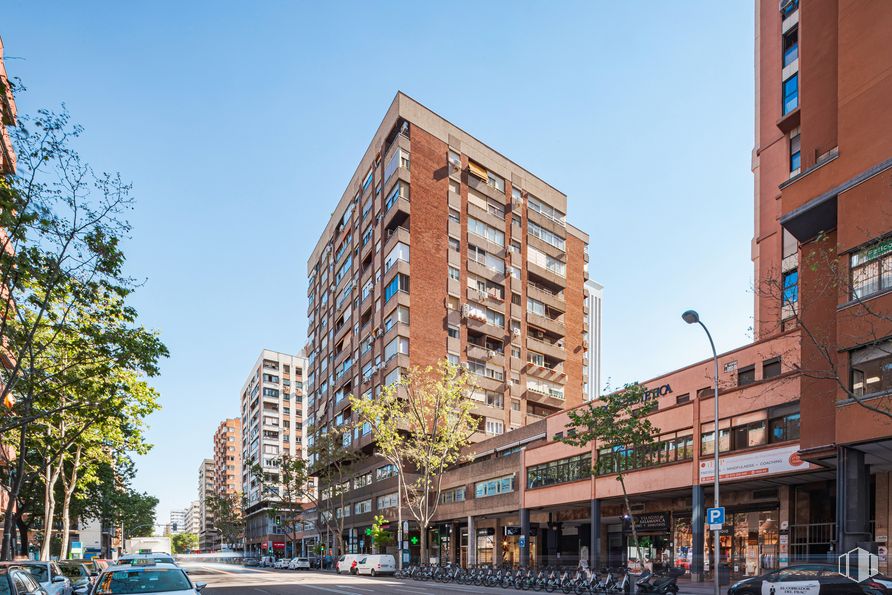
pixel 649 582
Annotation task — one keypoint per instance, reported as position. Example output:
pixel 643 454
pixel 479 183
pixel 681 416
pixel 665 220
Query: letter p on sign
pixel 715 517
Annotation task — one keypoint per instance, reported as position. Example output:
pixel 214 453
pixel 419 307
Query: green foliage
pixel 183 543
pixel 381 537
pixel 228 512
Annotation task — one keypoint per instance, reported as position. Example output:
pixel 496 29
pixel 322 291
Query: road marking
pixel 331 590
pixel 357 588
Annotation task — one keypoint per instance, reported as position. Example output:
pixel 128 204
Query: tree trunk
pixel 399 527
pixel 69 484
pixel 24 529
pixel 6 552
pixel 632 523
pixel 423 552
pixel 49 507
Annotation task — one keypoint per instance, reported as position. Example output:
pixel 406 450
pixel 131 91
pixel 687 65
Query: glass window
pixel 795 154
pixel 746 375
pixel 125 582
pixel 546 236
pixel 452 331
pixel 454 273
pixel 486 231
pixel 791 46
pixel 791 94
pixel 454 244
pixel 872 269
pixel 872 369
pixel 790 293
pixel 561 471
pixel 494 487
pixel 400 282
pixel 771 368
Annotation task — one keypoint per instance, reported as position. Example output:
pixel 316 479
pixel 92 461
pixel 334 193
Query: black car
pixel 15 580
pixel 807 579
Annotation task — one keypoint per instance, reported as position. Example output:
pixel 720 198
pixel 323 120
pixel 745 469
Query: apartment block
pixel 192 518
pixel 228 457
pixel 272 427
pixel 207 535
pixel 177 521
pixel 442 247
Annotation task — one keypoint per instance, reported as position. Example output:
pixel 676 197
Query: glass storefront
pixel 749 543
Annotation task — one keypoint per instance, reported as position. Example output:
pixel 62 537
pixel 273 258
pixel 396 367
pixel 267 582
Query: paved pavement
pixel 226 579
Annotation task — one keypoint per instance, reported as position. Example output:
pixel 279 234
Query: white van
pixel 376 564
pixel 347 563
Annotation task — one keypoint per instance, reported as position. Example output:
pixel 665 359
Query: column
pixel 697 529
pixel 525 536
pixel 472 542
pixel 595 536
pixel 497 544
pixel 852 500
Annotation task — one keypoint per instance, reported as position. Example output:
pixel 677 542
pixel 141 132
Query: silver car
pixel 145 578
pixel 48 574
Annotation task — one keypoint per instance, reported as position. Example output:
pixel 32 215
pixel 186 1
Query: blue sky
pixel 240 123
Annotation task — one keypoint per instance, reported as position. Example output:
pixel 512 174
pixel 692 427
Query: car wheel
pixel 373 572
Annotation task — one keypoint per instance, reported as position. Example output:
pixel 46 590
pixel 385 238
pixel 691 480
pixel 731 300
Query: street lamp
pixel 691 317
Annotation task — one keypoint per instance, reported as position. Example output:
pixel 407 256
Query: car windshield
pixel 38 571
pixel 73 570
pixel 156 580
pixel 4 584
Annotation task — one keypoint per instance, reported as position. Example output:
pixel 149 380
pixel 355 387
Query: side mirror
pixel 81 590
pixel 200 586
pixel 58 579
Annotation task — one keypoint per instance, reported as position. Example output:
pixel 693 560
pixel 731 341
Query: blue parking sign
pixel 715 518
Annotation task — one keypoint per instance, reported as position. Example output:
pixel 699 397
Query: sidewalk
pixel 687 586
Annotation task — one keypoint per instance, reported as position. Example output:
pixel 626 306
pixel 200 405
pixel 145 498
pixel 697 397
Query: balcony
pixel 552 325
pixel 487 217
pixel 547 297
pixel 398 212
pixel 483 326
pixel 551 397
pixel 483 187
pixel 547 275
pixel 487 383
pixel 488 298
pixel 547 248
pixel 555 374
pixel 481 352
pixel 485 272
pixel 554 350
pixel 400 234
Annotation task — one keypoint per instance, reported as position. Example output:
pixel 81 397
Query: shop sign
pixel 278 545
pixel 649 521
pixel 653 393
pixel 763 462
pixel 509 531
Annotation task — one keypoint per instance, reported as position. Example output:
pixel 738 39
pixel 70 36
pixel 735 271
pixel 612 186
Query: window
pixel 454 273
pixel 784 425
pixel 872 269
pixel 452 495
pixel 452 331
pixel 399 252
pixel 494 487
pixel 495 427
pixel 546 210
pixel 363 507
pixel 746 375
pixel 546 261
pixel 682 399
pixel 791 94
pixel 495 181
pixel 515 272
pixel 454 244
pixel 494 399
pixel 795 154
pixel 485 231
pixel 535 307
pixel 669 448
pixel 401 190
pixel 490 261
pixel 400 314
pixel 385 472
pixel 400 158
pixel 454 216
pixel 398 345
pixel 454 159
pixel 771 368
pixel 790 293
pixel 368 180
pixel 788 7
pixel 362 481
pixel 791 46
pixel 546 236
pixel 560 471
pixel 388 501
pixel 872 368
pixel 399 283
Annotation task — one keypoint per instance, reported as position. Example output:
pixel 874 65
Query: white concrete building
pixel 594 294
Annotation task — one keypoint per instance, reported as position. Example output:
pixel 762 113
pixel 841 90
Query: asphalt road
pixel 223 579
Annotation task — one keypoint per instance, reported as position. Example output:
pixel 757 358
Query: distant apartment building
pixel 228 457
pixel 594 296
pixel 192 518
pixel 177 521
pixel 7 118
pixel 272 427
pixel 207 535
pixel 495 282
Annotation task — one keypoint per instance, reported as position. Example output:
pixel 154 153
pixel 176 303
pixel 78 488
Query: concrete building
pixel 594 297
pixel 228 457
pixel 193 518
pixel 177 521
pixel 207 535
pixel 496 282
pixel 272 427
pixel 7 118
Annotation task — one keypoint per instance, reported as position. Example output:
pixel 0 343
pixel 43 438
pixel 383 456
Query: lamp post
pixel 691 317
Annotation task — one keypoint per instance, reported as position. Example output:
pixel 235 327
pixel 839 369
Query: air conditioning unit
pixel 516 332
pixel 491 353
pixel 517 201
pixel 465 309
pixel 464 365
pixel 482 295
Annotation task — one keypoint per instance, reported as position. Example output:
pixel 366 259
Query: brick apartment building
pixel 228 457
pixel 495 281
pixel 207 535
pixel 272 426
pixel 7 118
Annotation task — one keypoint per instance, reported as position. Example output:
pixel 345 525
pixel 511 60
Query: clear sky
pixel 240 124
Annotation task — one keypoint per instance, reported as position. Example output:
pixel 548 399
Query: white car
pixel 346 564
pixel 299 564
pixel 156 557
pixel 145 578
pixel 48 574
pixel 376 564
pixel 281 563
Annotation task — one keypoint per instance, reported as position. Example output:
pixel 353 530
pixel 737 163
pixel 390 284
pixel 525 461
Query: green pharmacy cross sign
pixel 414 540
pixel 368 531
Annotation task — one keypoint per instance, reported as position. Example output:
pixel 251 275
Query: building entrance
pixel 749 544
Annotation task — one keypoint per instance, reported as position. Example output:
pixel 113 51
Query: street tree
pixel 620 421
pixel 421 423
pixel 380 535
pixel 183 543
pixel 228 512
pixel 65 319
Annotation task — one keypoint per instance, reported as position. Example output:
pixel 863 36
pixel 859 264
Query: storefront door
pixel 748 543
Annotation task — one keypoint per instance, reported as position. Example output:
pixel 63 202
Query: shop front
pixel 654 541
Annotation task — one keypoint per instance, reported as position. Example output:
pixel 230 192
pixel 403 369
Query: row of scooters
pixel 579 580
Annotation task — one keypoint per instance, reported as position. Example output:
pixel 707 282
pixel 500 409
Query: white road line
pixel 355 587
pixel 330 590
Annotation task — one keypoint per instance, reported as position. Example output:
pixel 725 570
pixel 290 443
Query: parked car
pixel 81 573
pixel 299 564
pixel 48 574
pixel 315 561
pixel 267 562
pixel 15 580
pixel 146 578
pixel 281 563
pixel 376 564
pixel 251 563
pixel 813 579
pixel 347 563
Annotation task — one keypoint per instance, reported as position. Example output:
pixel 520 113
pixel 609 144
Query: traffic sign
pixel 715 517
pixel 523 541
